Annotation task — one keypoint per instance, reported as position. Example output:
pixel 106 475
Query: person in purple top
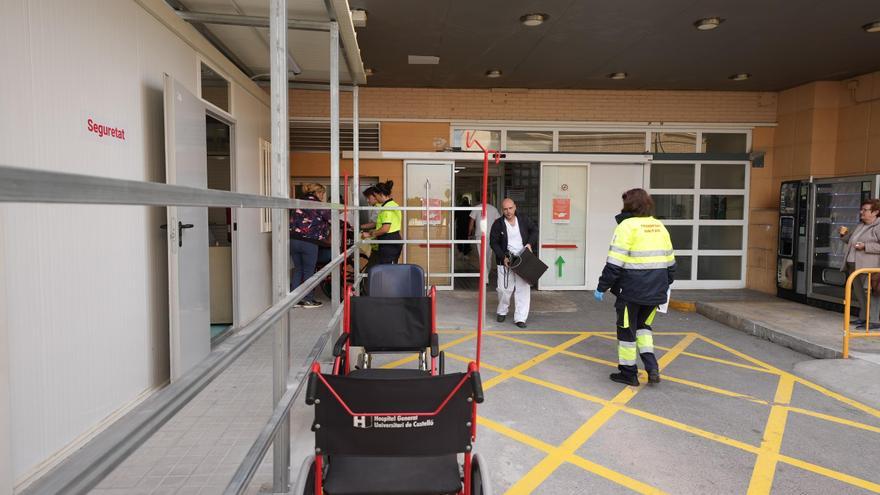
pixel 309 229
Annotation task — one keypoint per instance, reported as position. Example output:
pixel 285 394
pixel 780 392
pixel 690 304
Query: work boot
pixel 653 377
pixel 621 378
pixel 500 318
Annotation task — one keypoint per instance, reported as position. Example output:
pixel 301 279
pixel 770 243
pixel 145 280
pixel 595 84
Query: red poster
pixel 561 210
pixel 436 215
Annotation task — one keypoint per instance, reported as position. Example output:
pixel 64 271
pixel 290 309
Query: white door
pixel 188 272
pixel 563 229
pixel 607 183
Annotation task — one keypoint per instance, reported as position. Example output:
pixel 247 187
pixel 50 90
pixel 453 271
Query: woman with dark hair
pixel 387 226
pixel 640 267
pixel 309 229
pixel 863 251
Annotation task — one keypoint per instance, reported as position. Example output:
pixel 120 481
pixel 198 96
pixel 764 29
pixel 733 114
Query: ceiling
pixel 248 47
pixel 781 43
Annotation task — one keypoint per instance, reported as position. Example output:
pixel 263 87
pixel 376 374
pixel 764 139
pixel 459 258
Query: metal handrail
pixel 847 303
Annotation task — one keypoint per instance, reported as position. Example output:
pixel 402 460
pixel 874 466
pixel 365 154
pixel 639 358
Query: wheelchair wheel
pixel 305 481
pixel 480 483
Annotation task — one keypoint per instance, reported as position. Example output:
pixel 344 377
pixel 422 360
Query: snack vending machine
pixel 793 240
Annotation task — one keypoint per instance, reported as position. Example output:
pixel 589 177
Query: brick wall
pixel 546 105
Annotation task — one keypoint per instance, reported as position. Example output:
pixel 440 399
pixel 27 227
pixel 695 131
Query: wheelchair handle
pixel 312 388
pixel 477 384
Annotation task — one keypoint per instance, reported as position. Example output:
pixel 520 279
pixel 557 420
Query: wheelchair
pixel 394 436
pixel 397 317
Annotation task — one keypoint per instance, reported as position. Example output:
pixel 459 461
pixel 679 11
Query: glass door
pixel 429 185
pixel 563 228
pixel 835 202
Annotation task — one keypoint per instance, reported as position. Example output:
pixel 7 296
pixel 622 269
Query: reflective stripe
pixel 626 353
pixel 636 254
pixel 650 320
pixel 614 261
pixel 625 317
pixel 645 340
pixel 647 266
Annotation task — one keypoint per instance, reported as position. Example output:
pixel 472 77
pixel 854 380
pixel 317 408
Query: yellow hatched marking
pixel 846 400
pixel 539 473
pixel 536 332
pixel 484 364
pixel 830 473
pixel 412 358
pixel 835 419
pixel 578 461
pixel 765 464
pixel 533 361
pixel 703 357
pixel 642 414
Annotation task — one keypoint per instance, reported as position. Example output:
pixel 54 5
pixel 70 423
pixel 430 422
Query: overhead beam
pixel 351 52
pixel 250 21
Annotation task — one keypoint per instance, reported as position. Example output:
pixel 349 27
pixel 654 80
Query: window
pixel 702 205
pixel 215 88
pixel 530 141
pixel 674 142
pixel 490 139
pixel 724 142
pixel 602 142
pixel 265 183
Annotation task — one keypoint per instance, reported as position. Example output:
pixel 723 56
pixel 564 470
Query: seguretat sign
pixel 103 130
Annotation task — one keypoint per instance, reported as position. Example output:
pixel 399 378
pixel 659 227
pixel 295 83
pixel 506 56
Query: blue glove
pixel 598 295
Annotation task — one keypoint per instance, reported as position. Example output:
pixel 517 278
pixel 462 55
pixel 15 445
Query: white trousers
pixel 517 286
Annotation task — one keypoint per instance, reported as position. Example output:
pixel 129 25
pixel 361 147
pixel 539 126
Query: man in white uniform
pixel 509 236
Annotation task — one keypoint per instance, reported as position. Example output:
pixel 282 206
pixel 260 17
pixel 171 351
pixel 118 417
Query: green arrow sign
pixel 559 262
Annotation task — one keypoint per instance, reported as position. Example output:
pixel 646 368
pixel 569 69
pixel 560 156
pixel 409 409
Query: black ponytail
pixel 385 187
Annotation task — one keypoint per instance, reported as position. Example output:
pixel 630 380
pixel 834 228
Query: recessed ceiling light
pixel 617 75
pixel 493 73
pixel 369 71
pixel 532 20
pixel 742 76
pixel 423 60
pixel 872 27
pixel 708 24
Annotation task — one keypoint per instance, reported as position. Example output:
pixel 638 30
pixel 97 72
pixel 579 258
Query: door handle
pixel 180 227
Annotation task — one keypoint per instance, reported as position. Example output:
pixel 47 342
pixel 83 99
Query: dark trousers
pixel 634 337
pixel 305 257
pixel 388 253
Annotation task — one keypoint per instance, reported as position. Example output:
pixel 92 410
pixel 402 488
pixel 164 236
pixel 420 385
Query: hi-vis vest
pixel 641 243
pixel 394 217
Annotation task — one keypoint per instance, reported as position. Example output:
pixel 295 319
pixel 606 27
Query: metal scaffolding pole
pixel 356 180
pixel 334 155
pixel 280 275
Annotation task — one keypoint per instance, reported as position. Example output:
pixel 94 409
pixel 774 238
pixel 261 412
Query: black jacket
pixel 498 236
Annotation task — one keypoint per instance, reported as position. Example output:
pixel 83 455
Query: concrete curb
pixel 766 331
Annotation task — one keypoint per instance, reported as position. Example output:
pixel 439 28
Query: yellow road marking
pixel 533 361
pixel 765 464
pixel 702 356
pixel 409 359
pixel 830 473
pixel 636 485
pixel 846 400
pixel 582 463
pixel 834 419
pixel 539 473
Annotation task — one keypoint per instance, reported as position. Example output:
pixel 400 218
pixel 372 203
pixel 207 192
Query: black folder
pixel 530 267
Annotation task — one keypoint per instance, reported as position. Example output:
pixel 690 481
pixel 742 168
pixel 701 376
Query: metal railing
pixel 847 306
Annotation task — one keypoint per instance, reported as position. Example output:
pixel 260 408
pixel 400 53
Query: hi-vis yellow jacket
pixel 640 262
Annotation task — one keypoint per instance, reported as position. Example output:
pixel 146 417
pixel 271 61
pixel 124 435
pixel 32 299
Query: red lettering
pixel 91 125
pixel 105 130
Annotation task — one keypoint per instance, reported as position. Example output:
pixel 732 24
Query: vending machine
pixel 810 254
pixel 835 202
pixel 792 247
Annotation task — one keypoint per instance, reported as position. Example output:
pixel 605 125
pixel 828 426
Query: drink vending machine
pixel 810 254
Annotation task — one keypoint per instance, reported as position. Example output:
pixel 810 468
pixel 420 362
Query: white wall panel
pixel 86 298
